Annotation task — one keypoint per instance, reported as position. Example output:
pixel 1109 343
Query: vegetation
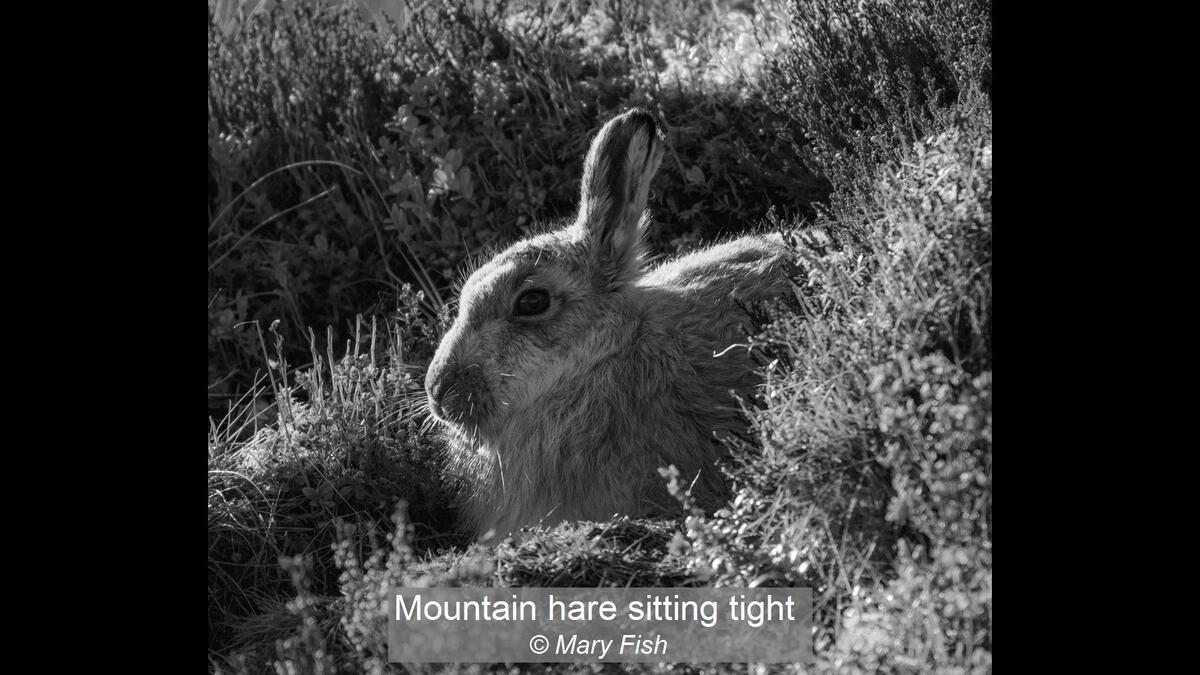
pixel 355 164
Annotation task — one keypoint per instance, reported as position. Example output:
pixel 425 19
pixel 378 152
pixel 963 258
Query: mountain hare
pixel 573 371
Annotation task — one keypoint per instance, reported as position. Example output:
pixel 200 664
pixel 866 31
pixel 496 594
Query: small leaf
pixel 465 186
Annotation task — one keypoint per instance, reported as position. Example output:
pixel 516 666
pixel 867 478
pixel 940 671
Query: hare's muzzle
pixel 457 392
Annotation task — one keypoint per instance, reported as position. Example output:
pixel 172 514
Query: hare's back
pixel 745 269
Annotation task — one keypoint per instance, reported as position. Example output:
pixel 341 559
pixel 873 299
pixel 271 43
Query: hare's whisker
pixel 500 464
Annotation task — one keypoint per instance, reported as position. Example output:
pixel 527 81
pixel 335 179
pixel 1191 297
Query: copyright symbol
pixel 538 644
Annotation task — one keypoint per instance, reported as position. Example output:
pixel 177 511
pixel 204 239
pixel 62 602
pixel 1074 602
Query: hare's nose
pixel 440 382
pixel 435 387
pixel 457 391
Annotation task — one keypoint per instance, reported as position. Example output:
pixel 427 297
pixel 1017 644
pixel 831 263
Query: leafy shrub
pixel 344 447
pixel 873 482
pixel 866 79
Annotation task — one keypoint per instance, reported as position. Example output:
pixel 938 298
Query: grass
pixel 354 165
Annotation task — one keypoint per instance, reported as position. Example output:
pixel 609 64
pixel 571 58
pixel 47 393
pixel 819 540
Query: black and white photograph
pixel 669 320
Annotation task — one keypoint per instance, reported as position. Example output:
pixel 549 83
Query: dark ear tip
pixel 642 118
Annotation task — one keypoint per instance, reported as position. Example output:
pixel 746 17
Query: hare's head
pixel 546 307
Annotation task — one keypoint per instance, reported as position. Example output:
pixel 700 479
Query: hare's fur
pixel 569 414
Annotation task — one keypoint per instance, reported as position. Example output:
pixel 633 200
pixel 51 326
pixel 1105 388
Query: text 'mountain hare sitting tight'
pixel 574 370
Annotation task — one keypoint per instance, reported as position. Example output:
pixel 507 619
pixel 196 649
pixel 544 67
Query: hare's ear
pixel 616 181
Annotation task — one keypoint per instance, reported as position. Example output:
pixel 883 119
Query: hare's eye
pixel 532 302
